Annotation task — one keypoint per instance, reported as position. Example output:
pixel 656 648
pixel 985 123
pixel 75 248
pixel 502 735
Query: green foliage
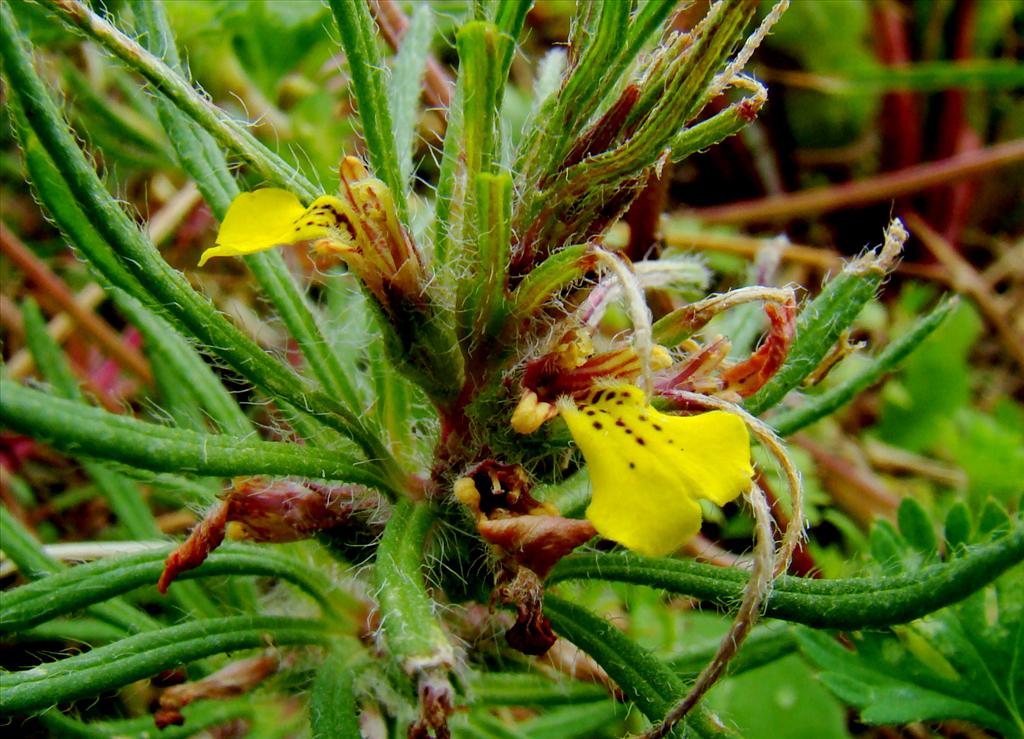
pixel 961 662
pixel 390 390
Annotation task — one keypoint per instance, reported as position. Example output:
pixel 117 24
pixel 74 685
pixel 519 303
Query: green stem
pixel 853 603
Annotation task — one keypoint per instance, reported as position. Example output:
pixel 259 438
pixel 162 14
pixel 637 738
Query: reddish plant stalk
pixel 869 190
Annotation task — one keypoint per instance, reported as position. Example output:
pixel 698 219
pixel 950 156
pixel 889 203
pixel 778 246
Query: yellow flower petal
pixel 266 218
pixel 647 469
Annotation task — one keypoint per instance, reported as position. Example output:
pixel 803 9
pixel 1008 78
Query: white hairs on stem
pixel 793 534
pixel 754 594
pixel 639 313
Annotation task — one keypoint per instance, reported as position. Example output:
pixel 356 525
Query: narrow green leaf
pixel 406 86
pixel 165 287
pixel 229 133
pixel 168 349
pixel 333 710
pixel 563 117
pixel 84 630
pixel 555 273
pixel 64 591
pixel 888 359
pixel 449 197
pixel 510 17
pixel 916 527
pixel 716 129
pixel 206 164
pixel 529 689
pixel 92 432
pixel 144 655
pixel 413 636
pixel 820 325
pixel 122 494
pixel 481 47
pixel 366 65
pixel 483 302
pixel 958 528
pixel 643 678
pixel 586 720
pixel 55 195
pixel 766 644
pixel 198 717
pixel 34 563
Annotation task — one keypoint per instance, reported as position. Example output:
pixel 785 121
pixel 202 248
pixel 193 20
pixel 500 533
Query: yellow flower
pixel 266 218
pixel 359 225
pixel 648 469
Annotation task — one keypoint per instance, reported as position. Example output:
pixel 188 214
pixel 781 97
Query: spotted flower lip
pixel 648 469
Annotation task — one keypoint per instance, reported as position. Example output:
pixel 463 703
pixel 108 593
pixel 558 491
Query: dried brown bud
pixel 265 510
pixel 537 542
pixel 228 682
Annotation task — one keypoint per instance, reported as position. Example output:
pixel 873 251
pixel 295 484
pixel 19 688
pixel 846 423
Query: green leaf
pixel 529 689
pixel 414 638
pixel 920 402
pixel 820 406
pixel 144 655
pixel 820 324
pixel 586 720
pixel 165 288
pixel 406 86
pixel 198 716
pixel 783 694
pixel 333 710
pixel 229 133
pixel 92 432
pixel 644 679
pixel 67 590
pixel 366 64
pixel 206 164
pixel 990 452
pixel 916 527
pixel 959 662
pixel 958 527
pixel 34 563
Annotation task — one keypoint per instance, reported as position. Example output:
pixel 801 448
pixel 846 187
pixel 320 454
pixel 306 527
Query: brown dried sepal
pixel 531 633
pixel 266 510
pixel 747 377
pixel 205 537
pixel 537 542
pixel 437 703
pixel 231 681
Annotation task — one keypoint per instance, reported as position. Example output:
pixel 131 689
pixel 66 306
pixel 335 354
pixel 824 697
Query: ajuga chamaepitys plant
pixel 478 415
